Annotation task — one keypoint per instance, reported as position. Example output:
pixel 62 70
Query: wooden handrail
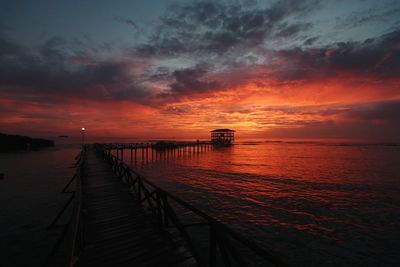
pixel 77 224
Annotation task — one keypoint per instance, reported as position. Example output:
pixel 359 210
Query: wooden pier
pixel 153 151
pixel 117 230
pixel 122 219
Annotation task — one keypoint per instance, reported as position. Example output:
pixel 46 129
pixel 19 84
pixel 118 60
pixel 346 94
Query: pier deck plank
pixel 117 231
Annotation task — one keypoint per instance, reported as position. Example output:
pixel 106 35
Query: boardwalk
pixel 117 231
pixel 122 219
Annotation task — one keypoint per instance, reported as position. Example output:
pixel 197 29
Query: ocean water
pixel 313 203
pixel 29 200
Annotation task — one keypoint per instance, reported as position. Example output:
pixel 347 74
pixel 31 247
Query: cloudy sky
pixel 157 68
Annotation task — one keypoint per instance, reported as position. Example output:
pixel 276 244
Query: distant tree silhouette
pixel 18 142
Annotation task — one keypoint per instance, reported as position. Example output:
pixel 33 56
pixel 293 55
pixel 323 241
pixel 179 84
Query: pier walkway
pixel 122 219
pixel 116 229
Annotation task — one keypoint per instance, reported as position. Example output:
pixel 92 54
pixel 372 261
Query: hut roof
pixel 222 130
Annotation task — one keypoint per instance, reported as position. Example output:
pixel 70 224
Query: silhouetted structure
pixel 107 228
pixel 18 142
pixel 222 136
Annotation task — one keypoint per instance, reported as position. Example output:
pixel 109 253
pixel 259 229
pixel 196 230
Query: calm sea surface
pixel 315 204
pixel 29 199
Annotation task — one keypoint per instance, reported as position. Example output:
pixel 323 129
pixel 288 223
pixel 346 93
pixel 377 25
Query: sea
pixel 30 198
pixel 312 203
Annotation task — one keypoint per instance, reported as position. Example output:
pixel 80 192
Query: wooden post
pixel 165 203
pixel 135 154
pixel 131 154
pixel 213 246
pixel 140 189
pixel 159 209
pixel 142 152
pixel 147 152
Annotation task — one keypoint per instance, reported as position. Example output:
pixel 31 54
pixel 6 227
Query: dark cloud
pixel 228 34
pixel 374 58
pixel 177 109
pixel 382 111
pixel 310 41
pixel 211 27
pixel 8 48
pixel 41 70
pixel 190 81
pixel 48 74
pixel 160 45
pixel 118 83
pixel 161 73
pixel 359 18
pixel 286 30
pixel 205 30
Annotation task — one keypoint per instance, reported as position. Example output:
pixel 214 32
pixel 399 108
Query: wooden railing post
pixel 165 209
pixel 213 246
pixel 159 208
pixel 140 189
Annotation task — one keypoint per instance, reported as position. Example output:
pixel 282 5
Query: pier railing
pixel 223 241
pixel 74 228
pixel 77 220
pixel 157 145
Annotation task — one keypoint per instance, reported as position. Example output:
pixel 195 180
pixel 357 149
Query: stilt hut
pixel 222 136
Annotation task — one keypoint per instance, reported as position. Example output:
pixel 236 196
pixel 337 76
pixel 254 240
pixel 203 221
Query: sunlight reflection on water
pixel 317 204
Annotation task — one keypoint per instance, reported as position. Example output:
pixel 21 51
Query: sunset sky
pixel 154 69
